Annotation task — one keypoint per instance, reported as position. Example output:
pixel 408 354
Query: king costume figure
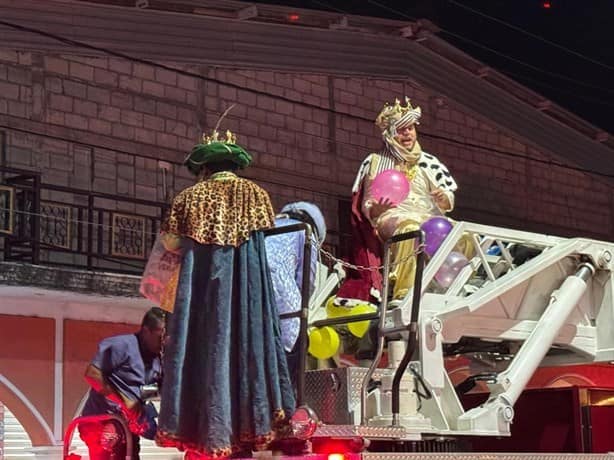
pixel 226 384
pixel 373 221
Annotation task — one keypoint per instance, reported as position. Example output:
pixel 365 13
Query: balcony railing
pixel 54 225
pixel 49 224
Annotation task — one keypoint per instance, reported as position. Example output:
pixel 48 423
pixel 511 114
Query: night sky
pixel 562 49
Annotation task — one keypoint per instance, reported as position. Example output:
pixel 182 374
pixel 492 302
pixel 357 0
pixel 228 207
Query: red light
pixel 546 5
pixel 293 17
pixel 336 457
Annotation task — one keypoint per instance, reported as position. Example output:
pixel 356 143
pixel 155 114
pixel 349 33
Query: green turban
pixel 215 152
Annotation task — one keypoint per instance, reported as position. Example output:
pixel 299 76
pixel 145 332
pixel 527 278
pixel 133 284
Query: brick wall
pixel 105 124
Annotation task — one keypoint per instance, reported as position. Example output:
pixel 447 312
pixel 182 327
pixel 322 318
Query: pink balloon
pixel 450 269
pixel 391 185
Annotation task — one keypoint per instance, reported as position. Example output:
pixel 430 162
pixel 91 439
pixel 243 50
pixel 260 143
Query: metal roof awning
pixel 199 39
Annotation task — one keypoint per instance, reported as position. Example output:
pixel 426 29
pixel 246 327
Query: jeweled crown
pixel 215 137
pixel 391 113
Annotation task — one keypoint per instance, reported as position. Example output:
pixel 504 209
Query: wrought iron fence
pixel 49 224
pixel 43 223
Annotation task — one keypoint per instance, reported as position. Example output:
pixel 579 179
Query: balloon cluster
pixel 390 185
pixel 436 229
pixel 324 341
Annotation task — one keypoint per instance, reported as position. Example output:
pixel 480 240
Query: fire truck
pixel 523 301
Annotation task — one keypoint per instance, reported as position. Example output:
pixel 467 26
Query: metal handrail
pixel 382 331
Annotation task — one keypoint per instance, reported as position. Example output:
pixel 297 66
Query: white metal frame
pixel 563 297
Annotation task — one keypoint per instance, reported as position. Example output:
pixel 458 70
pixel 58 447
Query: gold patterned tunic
pixel 223 210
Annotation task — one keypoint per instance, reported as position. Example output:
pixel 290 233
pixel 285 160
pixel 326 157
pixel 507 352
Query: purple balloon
pixel 432 243
pixel 450 269
pixel 391 185
pixel 435 231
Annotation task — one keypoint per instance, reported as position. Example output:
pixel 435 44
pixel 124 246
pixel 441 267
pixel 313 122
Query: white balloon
pixel 450 269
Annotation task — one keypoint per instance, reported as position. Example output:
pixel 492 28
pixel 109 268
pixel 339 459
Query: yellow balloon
pixel 360 328
pixel 335 311
pixel 323 342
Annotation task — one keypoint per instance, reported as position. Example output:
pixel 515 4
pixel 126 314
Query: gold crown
pixel 215 137
pixel 392 113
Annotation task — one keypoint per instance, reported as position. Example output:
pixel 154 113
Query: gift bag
pixel 160 277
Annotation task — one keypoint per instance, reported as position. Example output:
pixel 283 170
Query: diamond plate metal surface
pixel 334 394
pixel 438 456
pixel 347 431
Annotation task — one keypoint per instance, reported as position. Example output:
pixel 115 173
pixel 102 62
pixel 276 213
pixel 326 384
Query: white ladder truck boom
pixel 534 299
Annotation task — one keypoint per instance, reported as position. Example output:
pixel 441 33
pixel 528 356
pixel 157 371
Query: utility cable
pixel 526 64
pixel 532 35
pixel 324 4
pixel 423 133
pixel 76 43
pixel 494 51
pixel 128 57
